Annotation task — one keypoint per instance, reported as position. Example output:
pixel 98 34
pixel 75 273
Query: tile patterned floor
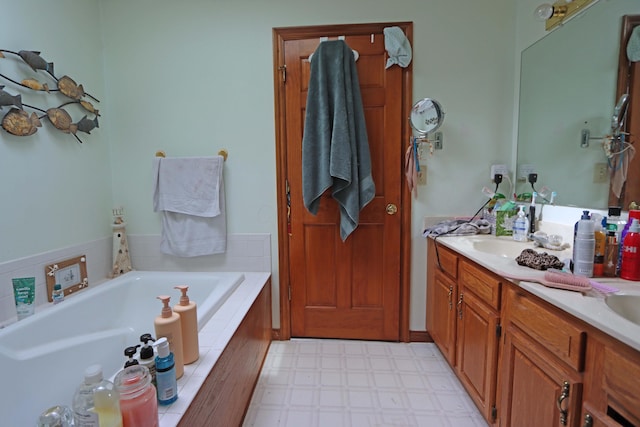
pixel 335 383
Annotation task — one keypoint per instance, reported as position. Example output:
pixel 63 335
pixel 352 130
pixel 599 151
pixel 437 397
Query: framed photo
pixel 71 274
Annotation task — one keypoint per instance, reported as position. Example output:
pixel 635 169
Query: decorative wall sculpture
pixel 19 122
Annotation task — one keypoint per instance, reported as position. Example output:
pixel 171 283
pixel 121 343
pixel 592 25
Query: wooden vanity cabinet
pixel 524 361
pixel 478 334
pixel 612 384
pixel 463 302
pixel 541 364
pixel 442 292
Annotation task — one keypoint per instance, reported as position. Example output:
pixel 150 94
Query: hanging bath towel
pixel 189 193
pixel 335 147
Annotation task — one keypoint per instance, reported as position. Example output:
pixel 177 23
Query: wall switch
pixel 422 175
pixel 600 173
pixel 501 169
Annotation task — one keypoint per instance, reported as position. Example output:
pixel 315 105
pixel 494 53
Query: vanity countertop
pixel 498 255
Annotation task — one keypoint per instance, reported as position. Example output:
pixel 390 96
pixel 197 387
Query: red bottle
pixel 630 268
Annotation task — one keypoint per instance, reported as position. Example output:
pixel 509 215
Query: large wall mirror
pixel 568 83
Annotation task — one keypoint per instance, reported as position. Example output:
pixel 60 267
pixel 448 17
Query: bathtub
pixel 43 357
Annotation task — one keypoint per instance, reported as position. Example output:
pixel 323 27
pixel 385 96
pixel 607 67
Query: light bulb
pixel 543 12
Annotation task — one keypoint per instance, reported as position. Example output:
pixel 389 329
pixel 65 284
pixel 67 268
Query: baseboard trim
pixel 419 336
pixel 414 336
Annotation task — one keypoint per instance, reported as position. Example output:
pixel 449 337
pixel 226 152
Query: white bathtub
pixel 43 357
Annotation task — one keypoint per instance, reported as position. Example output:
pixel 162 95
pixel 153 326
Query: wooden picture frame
pixel 70 273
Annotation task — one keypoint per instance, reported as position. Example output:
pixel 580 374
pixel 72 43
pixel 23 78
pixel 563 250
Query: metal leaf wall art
pixel 19 122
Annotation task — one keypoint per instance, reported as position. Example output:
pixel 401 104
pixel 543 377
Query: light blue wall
pixel 54 192
pixel 196 76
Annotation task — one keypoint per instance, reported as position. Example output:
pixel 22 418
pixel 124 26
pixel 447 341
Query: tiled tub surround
pixel 245 252
pixel 55 346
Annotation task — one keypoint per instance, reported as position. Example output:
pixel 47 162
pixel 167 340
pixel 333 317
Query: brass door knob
pixel 391 209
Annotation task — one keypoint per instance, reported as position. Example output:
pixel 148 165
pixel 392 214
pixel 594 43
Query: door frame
pixel 280 35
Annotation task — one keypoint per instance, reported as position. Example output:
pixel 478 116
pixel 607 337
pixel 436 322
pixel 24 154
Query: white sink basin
pixel 499 247
pixel 625 305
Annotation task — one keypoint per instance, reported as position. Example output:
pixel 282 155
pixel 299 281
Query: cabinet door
pixel 441 306
pixel 477 350
pixel 536 389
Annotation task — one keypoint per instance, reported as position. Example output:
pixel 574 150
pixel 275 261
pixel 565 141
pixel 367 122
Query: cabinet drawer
pixel 485 285
pixel 554 332
pixel 448 259
pixel 621 373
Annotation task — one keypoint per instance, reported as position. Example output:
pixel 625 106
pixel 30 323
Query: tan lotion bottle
pixel 189 317
pixel 168 325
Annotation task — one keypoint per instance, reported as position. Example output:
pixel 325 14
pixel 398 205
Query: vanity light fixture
pixel 557 13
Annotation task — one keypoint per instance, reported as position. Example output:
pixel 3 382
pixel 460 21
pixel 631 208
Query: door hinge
pixel 498 330
pixel 494 413
pixel 283 70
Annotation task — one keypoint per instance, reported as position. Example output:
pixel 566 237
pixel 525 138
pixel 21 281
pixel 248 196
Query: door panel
pixel 347 289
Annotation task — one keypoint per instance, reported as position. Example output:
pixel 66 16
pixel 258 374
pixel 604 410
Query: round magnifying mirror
pixel 426 116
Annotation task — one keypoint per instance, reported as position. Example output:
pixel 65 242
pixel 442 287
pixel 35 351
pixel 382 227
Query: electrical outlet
pixel 422 175
pixel 524 171
pixel 600 173
pixel 501 169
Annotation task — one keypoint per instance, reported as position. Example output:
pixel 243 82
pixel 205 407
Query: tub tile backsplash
pixel 245 252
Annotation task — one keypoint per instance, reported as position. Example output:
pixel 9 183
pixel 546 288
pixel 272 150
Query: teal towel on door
pixel 335 146
pixel 633 47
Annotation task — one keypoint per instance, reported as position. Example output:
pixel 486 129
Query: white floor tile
pixel 334 383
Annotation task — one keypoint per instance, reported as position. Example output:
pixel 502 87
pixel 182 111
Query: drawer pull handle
pixel 562 404
pixel 450 299
pixel 460 306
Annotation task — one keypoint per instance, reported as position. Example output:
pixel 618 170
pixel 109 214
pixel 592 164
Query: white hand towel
pixel 189 192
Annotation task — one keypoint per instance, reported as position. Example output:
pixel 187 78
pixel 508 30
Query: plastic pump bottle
pixel 168 325
pixel 521 226
pixel 165 373
pixel 189 318
pixel 96 402
pixel 630 268
pixel 147 356
pixel 130 352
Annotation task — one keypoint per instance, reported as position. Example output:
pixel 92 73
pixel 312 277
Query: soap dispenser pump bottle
pixel 168 325
pixel 130 352
pixel 189 318
pixel 147 356
pixel 520 226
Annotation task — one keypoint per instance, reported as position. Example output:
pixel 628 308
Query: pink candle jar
pixel 138 400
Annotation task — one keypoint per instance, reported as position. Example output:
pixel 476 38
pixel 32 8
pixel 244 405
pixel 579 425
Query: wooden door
pixel 629 82
pixel 349 289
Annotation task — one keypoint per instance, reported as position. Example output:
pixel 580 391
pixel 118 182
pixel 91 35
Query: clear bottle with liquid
pixel 521 226
pixel 96 402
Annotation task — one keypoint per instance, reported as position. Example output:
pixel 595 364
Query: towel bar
pixel 222 153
